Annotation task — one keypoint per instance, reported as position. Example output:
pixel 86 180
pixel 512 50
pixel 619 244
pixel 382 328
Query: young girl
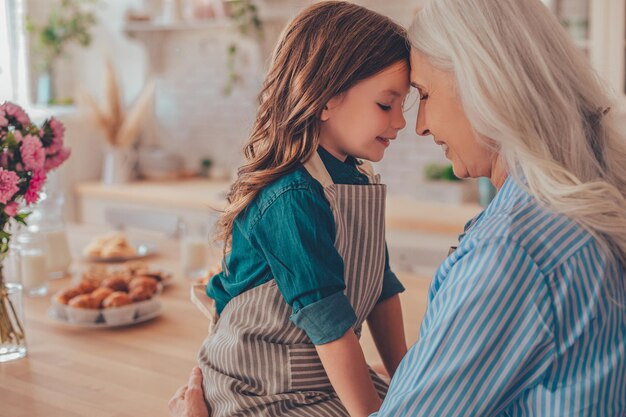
pixel 305 227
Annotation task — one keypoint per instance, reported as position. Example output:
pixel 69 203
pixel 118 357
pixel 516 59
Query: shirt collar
pixel 342 172
pixel 509 195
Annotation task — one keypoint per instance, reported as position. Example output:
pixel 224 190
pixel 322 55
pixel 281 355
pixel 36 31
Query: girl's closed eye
pixel 384 107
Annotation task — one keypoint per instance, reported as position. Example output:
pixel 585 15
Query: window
pixel 6 70
pixel 13 73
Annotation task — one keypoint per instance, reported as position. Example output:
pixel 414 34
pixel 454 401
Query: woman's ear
pixel 330 106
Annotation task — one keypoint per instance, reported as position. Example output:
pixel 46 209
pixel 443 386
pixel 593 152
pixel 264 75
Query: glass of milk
pixel 58 256
pixel 32 262
pixel 47 219
pixel 194 251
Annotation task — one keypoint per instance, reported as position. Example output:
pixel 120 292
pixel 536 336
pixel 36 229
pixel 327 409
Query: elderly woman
pixel 527 316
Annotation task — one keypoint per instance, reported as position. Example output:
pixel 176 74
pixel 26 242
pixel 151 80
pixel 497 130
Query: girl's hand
pixel 188 401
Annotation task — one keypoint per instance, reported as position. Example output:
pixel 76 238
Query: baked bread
pixel 112 245
pixel 99 294
pixel 116 299
pixel 146 283
pixel 140 294
pixel 116 283
pixel 82 301
pixel 64 296
pixel 88 285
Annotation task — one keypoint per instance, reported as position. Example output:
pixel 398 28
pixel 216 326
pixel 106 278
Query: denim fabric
pixel 287 233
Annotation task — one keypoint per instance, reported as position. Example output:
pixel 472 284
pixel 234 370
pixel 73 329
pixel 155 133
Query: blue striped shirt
pixel 526 318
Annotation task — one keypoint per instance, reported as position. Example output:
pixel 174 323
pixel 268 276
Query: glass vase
pixel 45 92
pixel 12 339
pixel 118 166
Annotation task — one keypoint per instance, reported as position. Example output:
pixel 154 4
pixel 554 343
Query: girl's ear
pixel 330 106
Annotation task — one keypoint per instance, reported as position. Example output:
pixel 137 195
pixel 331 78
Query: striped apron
pixel 255 361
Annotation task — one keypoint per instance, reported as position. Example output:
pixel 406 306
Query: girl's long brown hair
pixel 324 51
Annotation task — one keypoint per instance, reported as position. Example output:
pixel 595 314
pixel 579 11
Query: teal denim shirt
pixel 287 233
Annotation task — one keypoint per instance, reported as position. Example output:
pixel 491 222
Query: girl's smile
pixel 363 120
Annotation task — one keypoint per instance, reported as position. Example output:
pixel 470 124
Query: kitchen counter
pixel 128 371
pixel 201 195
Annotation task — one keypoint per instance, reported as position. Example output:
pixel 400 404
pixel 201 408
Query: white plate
pixel 143 250
pixel 52 314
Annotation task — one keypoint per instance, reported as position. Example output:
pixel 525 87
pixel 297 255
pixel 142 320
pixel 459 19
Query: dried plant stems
pixel 120 129
pixel 11 331
pixel 135 117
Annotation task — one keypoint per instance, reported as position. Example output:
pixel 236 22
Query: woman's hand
pixel 188 401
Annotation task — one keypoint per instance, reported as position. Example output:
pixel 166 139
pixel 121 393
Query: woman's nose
pixel 420 124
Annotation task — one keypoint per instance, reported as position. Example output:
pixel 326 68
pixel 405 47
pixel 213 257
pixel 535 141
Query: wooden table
pixel 130 371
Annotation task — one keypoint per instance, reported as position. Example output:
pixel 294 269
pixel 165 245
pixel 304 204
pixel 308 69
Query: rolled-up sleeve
pixel 296 234
pixel 391 283
pixel 327 319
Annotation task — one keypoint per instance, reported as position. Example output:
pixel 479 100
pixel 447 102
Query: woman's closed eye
pixel 384 107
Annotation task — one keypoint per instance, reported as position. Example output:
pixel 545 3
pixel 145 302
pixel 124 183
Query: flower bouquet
pixel 27 154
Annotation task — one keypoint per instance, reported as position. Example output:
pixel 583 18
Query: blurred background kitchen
pixel 157 98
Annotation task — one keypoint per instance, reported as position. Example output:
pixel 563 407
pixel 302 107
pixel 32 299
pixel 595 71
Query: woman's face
pixel 441 115
pixel 362 121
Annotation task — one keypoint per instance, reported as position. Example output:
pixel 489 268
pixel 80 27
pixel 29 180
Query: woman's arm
pixel 486 338
pixel 345 365
pixel 386 325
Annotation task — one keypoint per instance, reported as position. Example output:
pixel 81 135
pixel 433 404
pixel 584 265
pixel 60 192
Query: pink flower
pixel 34 187
pixel 54 161
pixel 17 135
pixel 4 159
pixel 4 122
pixel 58 130
pixel 15 112
pixel 33 154
pixel 11 209
pixel 8 185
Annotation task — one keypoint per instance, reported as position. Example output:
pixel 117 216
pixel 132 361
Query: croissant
pixel 116 299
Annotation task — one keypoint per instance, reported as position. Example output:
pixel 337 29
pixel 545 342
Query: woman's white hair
pixel 527 88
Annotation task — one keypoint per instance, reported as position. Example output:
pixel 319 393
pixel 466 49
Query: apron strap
pixel 316 168
pixel 367 168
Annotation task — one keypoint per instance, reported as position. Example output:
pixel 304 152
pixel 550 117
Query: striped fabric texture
pixel 257 362
pixel 527 317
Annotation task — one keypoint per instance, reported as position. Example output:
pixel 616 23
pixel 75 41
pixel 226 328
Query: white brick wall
pixel 192 117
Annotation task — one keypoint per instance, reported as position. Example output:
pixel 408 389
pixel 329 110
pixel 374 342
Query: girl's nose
pixel 399 121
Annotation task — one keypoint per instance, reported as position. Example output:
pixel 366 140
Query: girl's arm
pixel 345 365
pixel 386 326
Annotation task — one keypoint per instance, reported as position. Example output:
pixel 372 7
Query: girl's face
pixel 363 120
pixel 441 115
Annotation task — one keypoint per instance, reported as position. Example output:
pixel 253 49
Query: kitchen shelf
pixel 138 27
pixel 39 113
pixel 155 34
